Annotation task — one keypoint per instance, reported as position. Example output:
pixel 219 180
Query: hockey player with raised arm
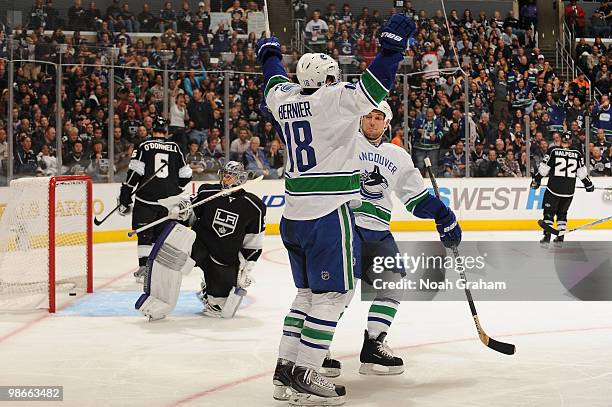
pixel 387 169
pixel 225 241
pixel 164 161
pixel 319 121
pixel 566 163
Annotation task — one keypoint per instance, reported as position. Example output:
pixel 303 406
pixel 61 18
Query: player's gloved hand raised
pixel 267 47
pixel 394 35
pixel 178 206
pixel 535 183
pixel 588 185
pixel 449 230
pixel 125 200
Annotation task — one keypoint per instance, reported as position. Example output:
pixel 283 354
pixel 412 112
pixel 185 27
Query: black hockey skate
pixel 377 358
pixel 545 241
pixel 309 388
pixel 282 379
pixel 331 367
pixel 558 242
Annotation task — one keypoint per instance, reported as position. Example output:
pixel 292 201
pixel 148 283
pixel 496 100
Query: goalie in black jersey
pixel 561 165
pixel 163 161
pixel 225 241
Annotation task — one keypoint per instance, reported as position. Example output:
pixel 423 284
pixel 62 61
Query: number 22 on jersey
pixel 298 137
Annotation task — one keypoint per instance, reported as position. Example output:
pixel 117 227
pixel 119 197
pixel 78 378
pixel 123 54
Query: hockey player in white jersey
pixel 387 169
pixel 319 120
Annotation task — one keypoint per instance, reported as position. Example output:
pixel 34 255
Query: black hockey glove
pixel 535 182
pixel 588 185
pixel 125 200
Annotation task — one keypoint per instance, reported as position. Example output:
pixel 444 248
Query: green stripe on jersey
pixel 375 89
pixel 371 209
pixel 413 202
pixel 317 334
pixel 348 244
pixel 275 80
pixel 296 322
pixel 336 183
pixel 381 309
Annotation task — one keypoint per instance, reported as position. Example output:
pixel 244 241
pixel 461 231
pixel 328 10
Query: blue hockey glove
pixel 394 35
pixel 449 230
pixel 267 47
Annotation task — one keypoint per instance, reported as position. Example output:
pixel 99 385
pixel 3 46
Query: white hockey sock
pixel 380 316
pixel 319 327
pixel 292 327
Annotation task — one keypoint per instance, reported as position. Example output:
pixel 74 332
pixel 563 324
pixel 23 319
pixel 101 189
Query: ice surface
pixel 104 354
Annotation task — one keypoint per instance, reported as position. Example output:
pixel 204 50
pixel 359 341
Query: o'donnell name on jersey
pixel 421 285
pixel 160 146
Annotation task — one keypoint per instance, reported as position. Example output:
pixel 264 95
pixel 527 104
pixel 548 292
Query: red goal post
pixel 45 241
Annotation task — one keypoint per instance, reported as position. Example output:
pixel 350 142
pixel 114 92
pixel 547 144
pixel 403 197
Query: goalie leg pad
pixel 168 262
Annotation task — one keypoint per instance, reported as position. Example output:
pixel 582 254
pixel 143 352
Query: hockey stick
pixel 557 232
pixel 505 348
pixel 266 19
pixel 203 201
pixel 98 222
pixel 596 188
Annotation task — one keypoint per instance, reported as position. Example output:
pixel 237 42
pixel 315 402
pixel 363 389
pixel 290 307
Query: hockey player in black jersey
pixel 162 159
pixel 561 165
pixel 229 240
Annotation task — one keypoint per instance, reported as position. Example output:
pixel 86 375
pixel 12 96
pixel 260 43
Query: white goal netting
pixel 28 244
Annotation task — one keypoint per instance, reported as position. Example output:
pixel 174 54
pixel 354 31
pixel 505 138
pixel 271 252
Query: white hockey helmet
pixel 314 69
pixel 386 110
pixel 235 173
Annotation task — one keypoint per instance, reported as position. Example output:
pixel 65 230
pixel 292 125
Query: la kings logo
pixel 224 222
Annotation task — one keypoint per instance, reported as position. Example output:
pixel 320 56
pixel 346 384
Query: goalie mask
pixel 233 174
pixel 315 70
pixel 371 127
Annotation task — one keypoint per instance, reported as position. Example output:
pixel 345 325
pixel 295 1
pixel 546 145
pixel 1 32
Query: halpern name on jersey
pixel 378 159
pixel 160 146
pixel 294 110
pixel 566 153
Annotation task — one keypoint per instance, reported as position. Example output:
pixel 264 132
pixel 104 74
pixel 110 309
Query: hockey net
pixel 45 241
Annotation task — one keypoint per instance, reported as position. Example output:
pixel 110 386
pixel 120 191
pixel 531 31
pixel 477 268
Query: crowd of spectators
pixel 508 77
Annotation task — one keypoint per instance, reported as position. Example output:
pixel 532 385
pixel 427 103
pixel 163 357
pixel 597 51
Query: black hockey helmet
pixel 567 136
pixel 160 125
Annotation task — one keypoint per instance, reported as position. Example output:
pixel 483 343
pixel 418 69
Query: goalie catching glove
pixel 179 208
